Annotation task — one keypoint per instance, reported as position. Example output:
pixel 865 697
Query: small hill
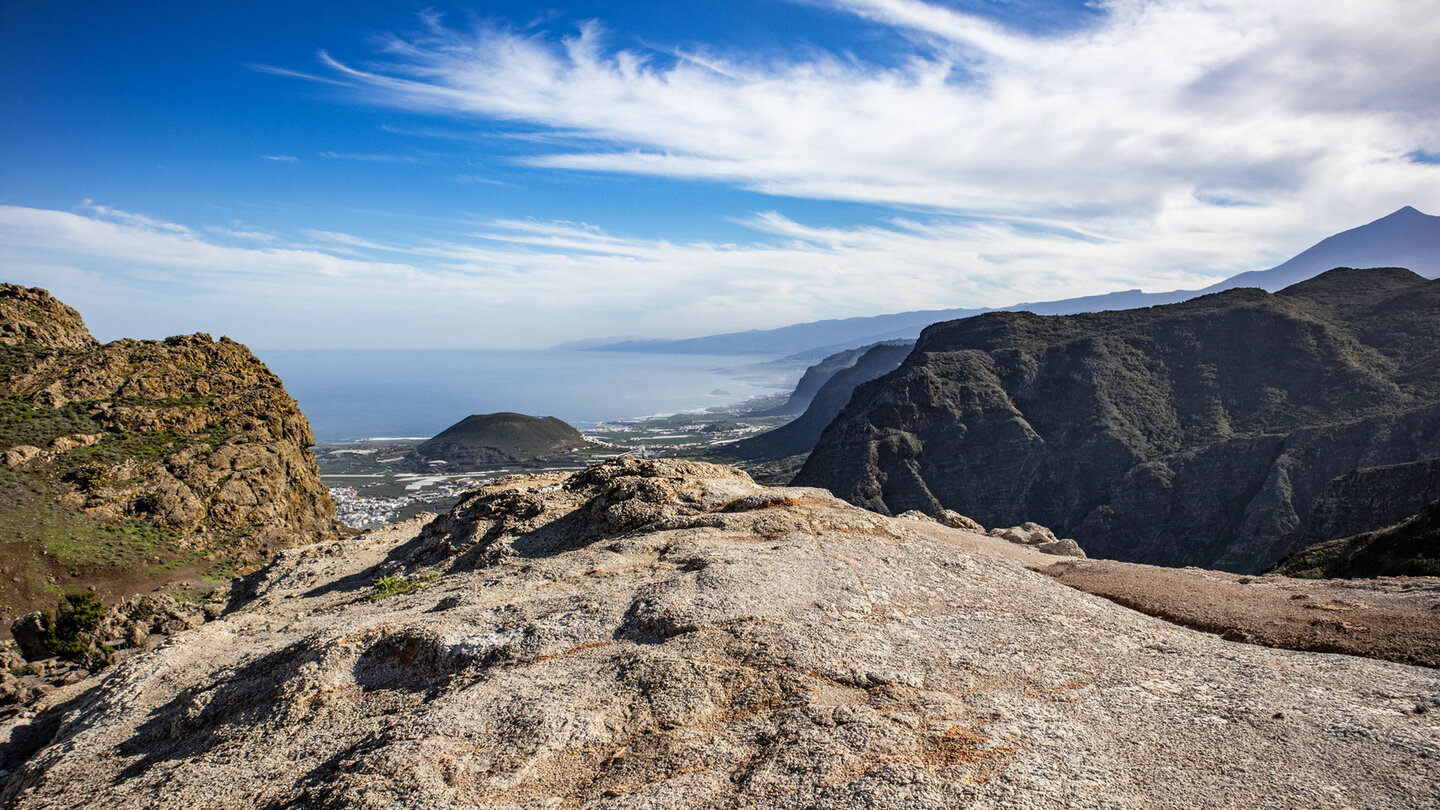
pixel 1200 433
pixel 500 438
pixel 127 464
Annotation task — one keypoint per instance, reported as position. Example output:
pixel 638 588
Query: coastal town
pixel 378 481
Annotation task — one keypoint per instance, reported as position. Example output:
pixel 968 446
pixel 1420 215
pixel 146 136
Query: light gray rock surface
pixel 1041 538
pixel 655 634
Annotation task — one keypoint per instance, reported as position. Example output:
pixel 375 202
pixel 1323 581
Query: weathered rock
pixel 22 454
pixel 27 633
pixel 191 435
pixel 1041 538
pixel 1029 534
pixel 1064 547
pixel 668 634
pixel 955 520
pixel 29 314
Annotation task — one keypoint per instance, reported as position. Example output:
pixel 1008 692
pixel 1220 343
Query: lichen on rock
pixel 191 437
pixel 654 633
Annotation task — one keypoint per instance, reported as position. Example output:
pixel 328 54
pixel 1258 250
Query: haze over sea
pixel 351 395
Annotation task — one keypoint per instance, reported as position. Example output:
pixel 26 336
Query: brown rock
pixel 955 520
pixel 21 455
pixel 27 632
pixel 30 314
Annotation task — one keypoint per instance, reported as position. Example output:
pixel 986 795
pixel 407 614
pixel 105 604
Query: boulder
pixel 28 634
pixel 955 520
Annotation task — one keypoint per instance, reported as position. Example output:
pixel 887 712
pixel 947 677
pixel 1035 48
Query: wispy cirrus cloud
pixel 538 282
pixel 1164 144
pixel 368 157
pixel 1155 106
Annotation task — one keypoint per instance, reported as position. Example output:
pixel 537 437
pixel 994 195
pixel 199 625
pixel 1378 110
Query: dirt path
pixel 1395 619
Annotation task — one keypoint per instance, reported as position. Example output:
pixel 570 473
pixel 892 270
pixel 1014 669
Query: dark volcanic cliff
pixel 1200 433
pixel 800 435
pixel 817 375
pixel 133 458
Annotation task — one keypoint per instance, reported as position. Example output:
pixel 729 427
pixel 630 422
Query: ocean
pixel 351 395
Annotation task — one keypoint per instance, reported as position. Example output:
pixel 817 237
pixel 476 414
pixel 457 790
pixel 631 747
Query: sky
pixel 513 175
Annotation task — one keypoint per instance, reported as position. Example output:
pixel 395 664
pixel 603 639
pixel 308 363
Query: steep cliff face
pixel 1411 547
pixel 665 634
pixel 1199 433
pixel 800 435
pixel 134 455
pixel 817 375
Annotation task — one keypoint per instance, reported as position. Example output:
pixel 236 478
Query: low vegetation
pixel 1409 548
pixel 394 585
pixel 70 631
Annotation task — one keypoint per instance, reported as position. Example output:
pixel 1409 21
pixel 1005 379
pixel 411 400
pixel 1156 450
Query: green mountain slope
pixel 122 464
pixel 1409 548
pixel 1198 433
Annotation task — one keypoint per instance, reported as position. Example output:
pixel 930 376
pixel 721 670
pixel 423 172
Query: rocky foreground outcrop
pixel 120 456
pixel 1204 433
pixel 648 634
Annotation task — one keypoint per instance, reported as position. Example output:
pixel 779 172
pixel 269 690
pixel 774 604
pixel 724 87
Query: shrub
pixel 142 610
pixel 90 477
pixel 69 633
pixel 149 503
pixel 392 585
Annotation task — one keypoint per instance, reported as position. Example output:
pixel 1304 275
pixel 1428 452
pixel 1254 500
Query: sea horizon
pixel 378 394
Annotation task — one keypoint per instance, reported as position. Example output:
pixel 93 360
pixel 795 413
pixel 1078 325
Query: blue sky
pixel 505 174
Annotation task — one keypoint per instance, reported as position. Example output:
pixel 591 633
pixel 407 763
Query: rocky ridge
pixel 119 456
pixel 669 634
pixel 1201 433
pixel 799 435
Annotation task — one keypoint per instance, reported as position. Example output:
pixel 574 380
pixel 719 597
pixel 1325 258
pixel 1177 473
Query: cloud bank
pixel 518 283
pixel 1160 107
pixel 1165 145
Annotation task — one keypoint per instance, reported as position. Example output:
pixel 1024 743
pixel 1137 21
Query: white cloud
pixel 369 157
pixel 1279 104
pixel 1169 144
pixel 521 283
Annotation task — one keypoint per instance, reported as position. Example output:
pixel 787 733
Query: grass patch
pixel 132 544
pixel 23 423
pixel 394 585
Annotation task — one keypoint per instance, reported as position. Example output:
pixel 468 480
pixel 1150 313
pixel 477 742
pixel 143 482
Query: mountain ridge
pixel 1198 433
pixel 1374 244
